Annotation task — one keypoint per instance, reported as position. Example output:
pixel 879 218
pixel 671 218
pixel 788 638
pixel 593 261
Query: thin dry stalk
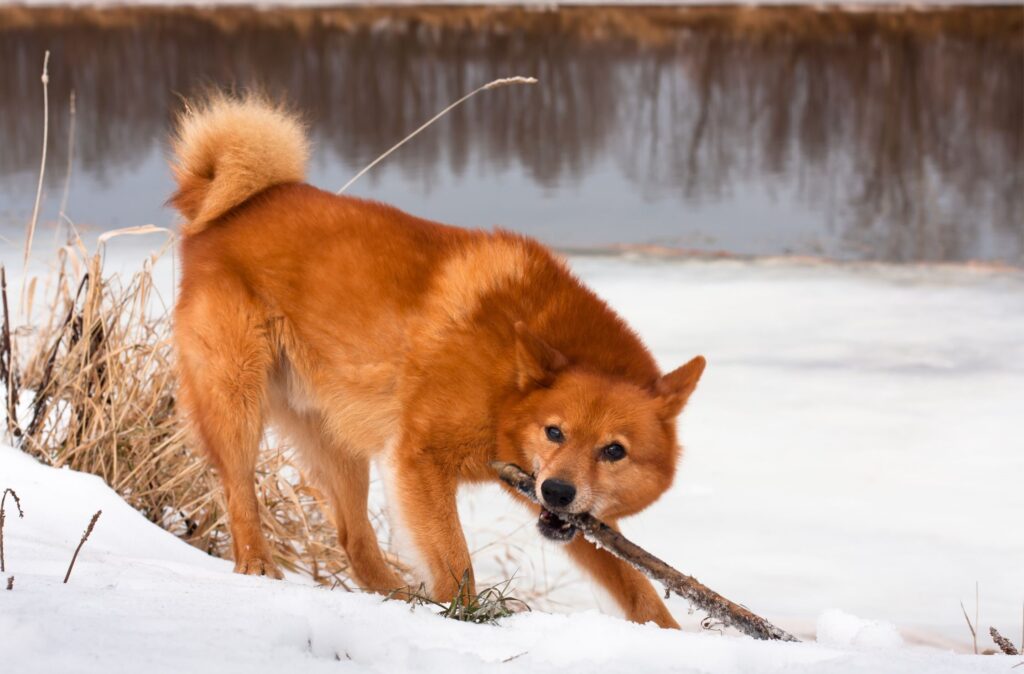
pixel 85 537
pixel 42 164
pixel 62 214
pixel 494 84
pixel 597 532
pixel 3 518
pixel 970 625
pixel 43 387
pixel 10 582
pixel 7 362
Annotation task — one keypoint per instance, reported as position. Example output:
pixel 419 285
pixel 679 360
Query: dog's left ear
pixel 537 362
pixel 674 388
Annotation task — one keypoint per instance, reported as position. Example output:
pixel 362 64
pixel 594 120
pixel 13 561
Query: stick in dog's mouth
pixel 554 528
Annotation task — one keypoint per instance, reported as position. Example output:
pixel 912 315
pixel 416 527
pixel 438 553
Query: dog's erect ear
pixel 675 387
pixel 537 362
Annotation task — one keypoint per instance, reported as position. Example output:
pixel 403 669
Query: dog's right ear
pixel 537 362
pixel 674 388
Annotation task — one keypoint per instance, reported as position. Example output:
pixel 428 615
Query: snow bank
pixel 140 600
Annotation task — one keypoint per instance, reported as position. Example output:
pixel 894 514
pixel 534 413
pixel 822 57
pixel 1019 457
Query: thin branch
pixel 10 582
pixel 85 537
pixel 688 587
pixel 504 81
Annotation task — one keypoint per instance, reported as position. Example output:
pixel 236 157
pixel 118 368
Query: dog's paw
pixel 258 566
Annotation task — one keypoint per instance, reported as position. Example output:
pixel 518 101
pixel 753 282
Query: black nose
pixel 557 493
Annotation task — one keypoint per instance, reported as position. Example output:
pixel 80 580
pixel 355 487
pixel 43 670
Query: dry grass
pixel 486 607
pixel 95 377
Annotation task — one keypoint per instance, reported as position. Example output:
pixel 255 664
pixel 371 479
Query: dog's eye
pixel 613 452
pixel 554 434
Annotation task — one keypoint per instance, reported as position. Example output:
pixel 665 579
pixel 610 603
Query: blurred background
pixel 886 134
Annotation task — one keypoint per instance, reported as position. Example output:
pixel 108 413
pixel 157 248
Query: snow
pixel 141 600
pixel 840 629
pixel 852 467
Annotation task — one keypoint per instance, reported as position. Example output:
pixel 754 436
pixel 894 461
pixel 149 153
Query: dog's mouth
pixel 554 528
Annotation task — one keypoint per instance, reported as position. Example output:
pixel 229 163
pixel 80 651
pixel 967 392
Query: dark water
pixel 894 136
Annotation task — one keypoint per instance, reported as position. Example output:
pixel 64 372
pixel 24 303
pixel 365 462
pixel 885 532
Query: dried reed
pixel 7 363
pixel 3 518
pixel 63 212
pixel 973 627
pixel 85 537
pixel 42 163
pixel 493 84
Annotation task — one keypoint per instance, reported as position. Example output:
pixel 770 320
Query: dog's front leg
pixel 630 588
pixel 426 494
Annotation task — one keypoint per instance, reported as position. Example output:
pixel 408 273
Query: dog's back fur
pixel 360 330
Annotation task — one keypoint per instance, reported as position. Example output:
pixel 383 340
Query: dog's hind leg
pixel 224 359
pixel 350 486
pixel 345 477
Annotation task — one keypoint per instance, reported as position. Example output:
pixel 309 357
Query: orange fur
pixel 363 332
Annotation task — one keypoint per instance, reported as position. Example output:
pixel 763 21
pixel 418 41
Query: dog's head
pixel 595 443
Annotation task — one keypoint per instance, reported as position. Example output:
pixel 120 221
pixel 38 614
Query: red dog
pixel 362 332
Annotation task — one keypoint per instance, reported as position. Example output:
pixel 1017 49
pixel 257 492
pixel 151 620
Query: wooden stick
pixel 688 587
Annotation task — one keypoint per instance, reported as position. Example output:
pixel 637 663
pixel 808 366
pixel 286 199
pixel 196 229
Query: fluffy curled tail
pixel 228 149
